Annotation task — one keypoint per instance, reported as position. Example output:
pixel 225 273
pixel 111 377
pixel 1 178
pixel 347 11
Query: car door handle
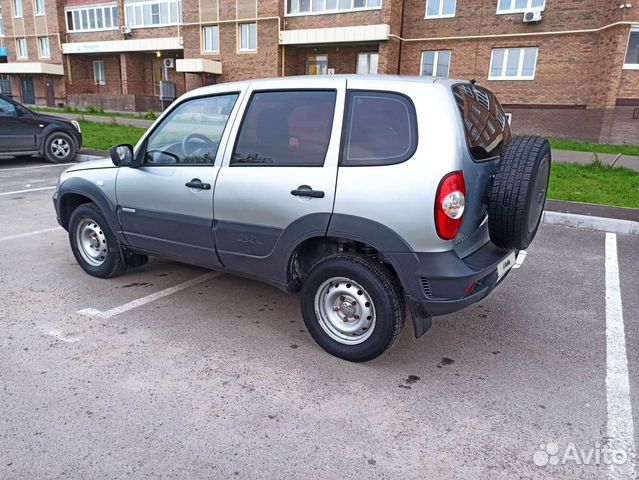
pixel 306 191
pixel 197 183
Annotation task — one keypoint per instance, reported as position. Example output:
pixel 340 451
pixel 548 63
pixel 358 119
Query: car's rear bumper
pixel 441 283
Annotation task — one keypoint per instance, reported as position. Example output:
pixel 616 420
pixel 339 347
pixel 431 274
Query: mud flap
pixel 421 320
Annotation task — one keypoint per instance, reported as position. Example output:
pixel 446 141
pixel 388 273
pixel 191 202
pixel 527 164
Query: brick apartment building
pixel 571 71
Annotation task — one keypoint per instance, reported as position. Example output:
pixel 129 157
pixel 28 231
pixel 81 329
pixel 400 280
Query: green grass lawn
pixel 141 115
pixel 594 184
pixel 593 147
pixel 103 136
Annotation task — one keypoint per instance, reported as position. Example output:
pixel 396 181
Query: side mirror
pixel 122 155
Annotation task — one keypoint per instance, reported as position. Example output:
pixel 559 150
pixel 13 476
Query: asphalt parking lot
pixel 218 378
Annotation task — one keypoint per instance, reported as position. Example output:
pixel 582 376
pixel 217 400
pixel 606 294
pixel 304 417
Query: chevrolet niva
pixel 369 196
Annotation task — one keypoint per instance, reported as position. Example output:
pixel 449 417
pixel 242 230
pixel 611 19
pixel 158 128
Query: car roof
pixel 373 79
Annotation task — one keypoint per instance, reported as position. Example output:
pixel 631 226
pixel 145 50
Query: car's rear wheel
pixel 93 243
pixel 59 147
pixel 352 307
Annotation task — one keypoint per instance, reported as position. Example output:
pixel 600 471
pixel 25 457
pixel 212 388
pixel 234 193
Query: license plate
pixel 505 265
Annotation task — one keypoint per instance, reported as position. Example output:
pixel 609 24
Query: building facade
pixel 564 68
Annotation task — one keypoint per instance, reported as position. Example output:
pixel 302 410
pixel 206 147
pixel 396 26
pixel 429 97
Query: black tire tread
pixel 47 152
pixel 515 174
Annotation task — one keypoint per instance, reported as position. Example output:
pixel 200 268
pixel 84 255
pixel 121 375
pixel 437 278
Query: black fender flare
pixel 88 189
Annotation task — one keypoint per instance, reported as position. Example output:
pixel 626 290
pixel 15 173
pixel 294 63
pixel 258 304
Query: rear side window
pixel 286 128
pixel 485 123
pixel 381 129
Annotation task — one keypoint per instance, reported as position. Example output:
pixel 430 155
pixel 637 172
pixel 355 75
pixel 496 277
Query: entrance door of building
pixel 50 92
pixel 158 76
pixel 317 65
pixel 28 93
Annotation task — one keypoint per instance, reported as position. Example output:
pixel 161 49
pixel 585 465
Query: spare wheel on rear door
pixel 519 192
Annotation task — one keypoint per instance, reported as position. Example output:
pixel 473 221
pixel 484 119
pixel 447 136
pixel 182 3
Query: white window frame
pixel 135 10
pixel 215 38
pixel 512 9
pixel 1 27
pixel 325 11
pixel 441 13
pixel 37 4
pixel 100 11
pixel 248 37
pixel 369 56
pixel 520 66
pixel 20 52
pixel 101 70
pixel 16 5
pixel 44 52
pixel 435 60
pixel 630 66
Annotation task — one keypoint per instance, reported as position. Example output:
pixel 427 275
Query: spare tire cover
pixel 519 192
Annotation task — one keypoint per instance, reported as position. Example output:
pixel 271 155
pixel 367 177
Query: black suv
pixel 24 133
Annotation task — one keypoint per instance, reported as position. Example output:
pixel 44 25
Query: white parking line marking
pixel 92 312
pixel 27 191
pixel 28 234
pixel 520 258
pixel 620 428
pixel 34 166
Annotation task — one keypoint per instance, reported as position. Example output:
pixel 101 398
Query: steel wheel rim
pixel 91 242
pixel 345 311
pixel 60 148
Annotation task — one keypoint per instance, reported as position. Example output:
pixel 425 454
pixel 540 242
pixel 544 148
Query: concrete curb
pixel 612 225
pixel 83 157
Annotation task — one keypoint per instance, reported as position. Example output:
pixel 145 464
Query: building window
pixel 153 14
pixel 43 45
pixel 310 7
pixel 440 8
pixel 98 72
pixel 367 63
pixel 513 64
pixel 94 18
pixel 285 128
pixel 39 7
pixel 436 63
pixel 519 6
pixel 317 65
pixel 1 27
pixel 17 8
pixel 632 54
pixel 248 36
pixel 21 44
pixel 211 39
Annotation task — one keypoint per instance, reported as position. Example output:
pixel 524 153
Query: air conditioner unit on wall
pixel 126 30
pixel 169 62
pixel 532 16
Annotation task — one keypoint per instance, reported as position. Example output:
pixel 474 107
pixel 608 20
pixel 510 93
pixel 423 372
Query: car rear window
pixel 485 123
pixel 381 129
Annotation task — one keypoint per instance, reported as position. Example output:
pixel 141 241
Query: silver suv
pixel 369 196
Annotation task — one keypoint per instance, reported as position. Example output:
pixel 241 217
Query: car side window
pixel 286 128
pixel 7 109
pixel 191 133
pixel 381 129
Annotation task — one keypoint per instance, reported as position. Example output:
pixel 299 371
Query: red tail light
pixel 449 205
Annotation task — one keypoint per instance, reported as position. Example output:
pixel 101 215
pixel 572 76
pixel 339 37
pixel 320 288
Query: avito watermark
pixel 551 454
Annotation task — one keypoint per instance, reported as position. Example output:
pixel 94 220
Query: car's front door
pixel 17 132
pixel 165 206
pixel 277 183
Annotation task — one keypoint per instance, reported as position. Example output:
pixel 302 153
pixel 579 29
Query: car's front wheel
pixel 93 243
pixel 352 307
pixel 59 147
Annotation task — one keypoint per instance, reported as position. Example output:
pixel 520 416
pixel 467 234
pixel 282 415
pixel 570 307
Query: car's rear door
pixel 166 205
pixel 277 183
